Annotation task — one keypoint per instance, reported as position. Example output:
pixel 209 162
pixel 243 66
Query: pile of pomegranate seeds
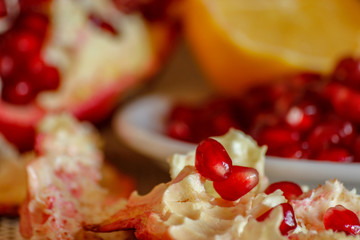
pixel 309 116
pixel 288 223
pixel 230 182
pixel 341 219
pixel 23 72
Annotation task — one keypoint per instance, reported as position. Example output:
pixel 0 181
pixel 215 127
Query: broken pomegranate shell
pixel 48 65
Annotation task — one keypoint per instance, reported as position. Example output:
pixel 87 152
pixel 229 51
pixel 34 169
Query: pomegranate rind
pixel 64 182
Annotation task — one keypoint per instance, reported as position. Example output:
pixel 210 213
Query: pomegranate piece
pixel 290 190
pixel 288 223
pixel 341 219
pixel 212 161
pixel 240 182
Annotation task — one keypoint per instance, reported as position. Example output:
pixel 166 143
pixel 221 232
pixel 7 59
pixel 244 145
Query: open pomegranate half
pixel 76 56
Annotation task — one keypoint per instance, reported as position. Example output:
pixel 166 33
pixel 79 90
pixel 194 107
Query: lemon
pixel 240 43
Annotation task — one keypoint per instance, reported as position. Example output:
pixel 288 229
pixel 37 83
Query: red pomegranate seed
pixel 49 79
pixel 7 65
pixel 288 223
pixel 347 72
pixel 293 151
pixel 345 101
pixel 179 130
pixel 99 22
pixel 290 189
pixel 331 133
pixel 302 116
pixel 25 42
pixel 34 22
pixel 335 155
pixel 212 161
pixel 276 137
pixel 239 183
pixel 18 93
pixel 341 219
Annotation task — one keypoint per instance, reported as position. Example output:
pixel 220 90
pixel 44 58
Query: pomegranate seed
pixel 335 155
pixel 293 151
pixel 212 161
pixel 7 65
pixel 18 93
pixel 99 22
pixel 331 133
pixel 348 72
pixel 34 22
pixel 179 130
pixel 222 122
pixel 288 223
pixel 290 189
pixel 240 182
pixel 303 116
pixel 49 79
pixel 277 137
pixel 345 101
pixel 341 219
pixel 25 42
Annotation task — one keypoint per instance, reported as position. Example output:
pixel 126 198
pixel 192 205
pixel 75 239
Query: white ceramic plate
pixel 140 124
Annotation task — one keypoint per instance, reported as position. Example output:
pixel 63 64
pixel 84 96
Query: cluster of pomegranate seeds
pixel 308 116
pixel 341 219
pixel 290 190
pixel 230 182
pixel 288 223
pixel 23 72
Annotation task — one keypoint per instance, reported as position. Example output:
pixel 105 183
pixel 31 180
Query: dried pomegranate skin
pixel 288 223
pixel 212 161
pixel 240 182
pixel 341 219
pixel 290 190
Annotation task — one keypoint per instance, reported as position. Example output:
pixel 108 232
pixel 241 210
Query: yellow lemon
pixel 240 43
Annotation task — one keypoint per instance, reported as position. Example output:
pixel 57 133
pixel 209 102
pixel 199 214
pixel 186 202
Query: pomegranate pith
pixel 290 190
pixel 241 181
pixel 212 161
pixel 288 223
pixel 341 219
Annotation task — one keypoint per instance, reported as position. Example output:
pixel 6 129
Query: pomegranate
pixel 74 56
pixel 288 223
pixel 306 116
pixel 341 219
